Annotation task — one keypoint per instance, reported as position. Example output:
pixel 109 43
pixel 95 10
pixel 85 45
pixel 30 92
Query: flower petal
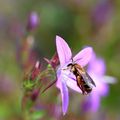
pixel 101 87
pixel 73 85
pixel 109 79
pixel 97 65
pixel 70 80
pixel 64 94
pixel 63 50
pixel 94 101
pixel 65 98
pixel 91 103
pixel 84 56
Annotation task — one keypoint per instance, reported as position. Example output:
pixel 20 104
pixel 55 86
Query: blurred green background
pixel 80 23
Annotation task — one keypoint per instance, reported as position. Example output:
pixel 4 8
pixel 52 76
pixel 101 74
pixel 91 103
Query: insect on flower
pixel 65 75
pixel 84 81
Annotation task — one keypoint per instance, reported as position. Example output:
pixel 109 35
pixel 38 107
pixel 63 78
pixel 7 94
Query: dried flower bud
pixel 30 79
pixel 36 70
pixel 54 61
pixel 35 94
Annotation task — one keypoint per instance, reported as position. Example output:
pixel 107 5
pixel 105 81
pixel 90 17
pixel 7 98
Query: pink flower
pixel 64 77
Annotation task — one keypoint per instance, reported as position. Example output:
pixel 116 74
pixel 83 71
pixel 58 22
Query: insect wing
pixel 90 79
pixel 86 78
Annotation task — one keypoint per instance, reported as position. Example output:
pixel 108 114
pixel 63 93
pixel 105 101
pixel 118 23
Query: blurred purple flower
pixel 64 76
pixel 96 70
pixel 33 21
pixel 102 12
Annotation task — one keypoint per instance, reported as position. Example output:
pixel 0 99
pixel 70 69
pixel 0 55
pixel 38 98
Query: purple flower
pixel 96 70
pixel 64 77
pixel 102 12
pixel 33 21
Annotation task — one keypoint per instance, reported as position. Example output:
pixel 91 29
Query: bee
pixel 84 81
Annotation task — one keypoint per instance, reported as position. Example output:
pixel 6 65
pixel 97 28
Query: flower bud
pixel 33 21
